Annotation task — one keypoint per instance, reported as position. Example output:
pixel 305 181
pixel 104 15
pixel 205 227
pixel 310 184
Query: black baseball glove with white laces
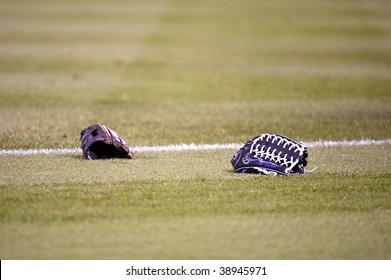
pixel 271 154
pixel 100 142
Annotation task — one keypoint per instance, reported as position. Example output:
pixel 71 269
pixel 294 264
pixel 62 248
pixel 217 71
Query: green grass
pixel 191 205
pixel 169 72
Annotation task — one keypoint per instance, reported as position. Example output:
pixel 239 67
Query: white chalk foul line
pixel 193 147
pixel 348 143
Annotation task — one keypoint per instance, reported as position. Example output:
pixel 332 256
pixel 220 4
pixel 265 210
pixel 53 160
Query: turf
pixel 170 72
pixel 190 205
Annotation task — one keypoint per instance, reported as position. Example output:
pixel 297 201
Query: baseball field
pixel 172 72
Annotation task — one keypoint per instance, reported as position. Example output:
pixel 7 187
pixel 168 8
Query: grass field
pixel 171 72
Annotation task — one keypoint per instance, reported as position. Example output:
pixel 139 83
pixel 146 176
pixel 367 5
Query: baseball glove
pixel 271 154
pixel 99 142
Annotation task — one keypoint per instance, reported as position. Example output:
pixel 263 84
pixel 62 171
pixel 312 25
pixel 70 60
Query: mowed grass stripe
pixel 191 205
